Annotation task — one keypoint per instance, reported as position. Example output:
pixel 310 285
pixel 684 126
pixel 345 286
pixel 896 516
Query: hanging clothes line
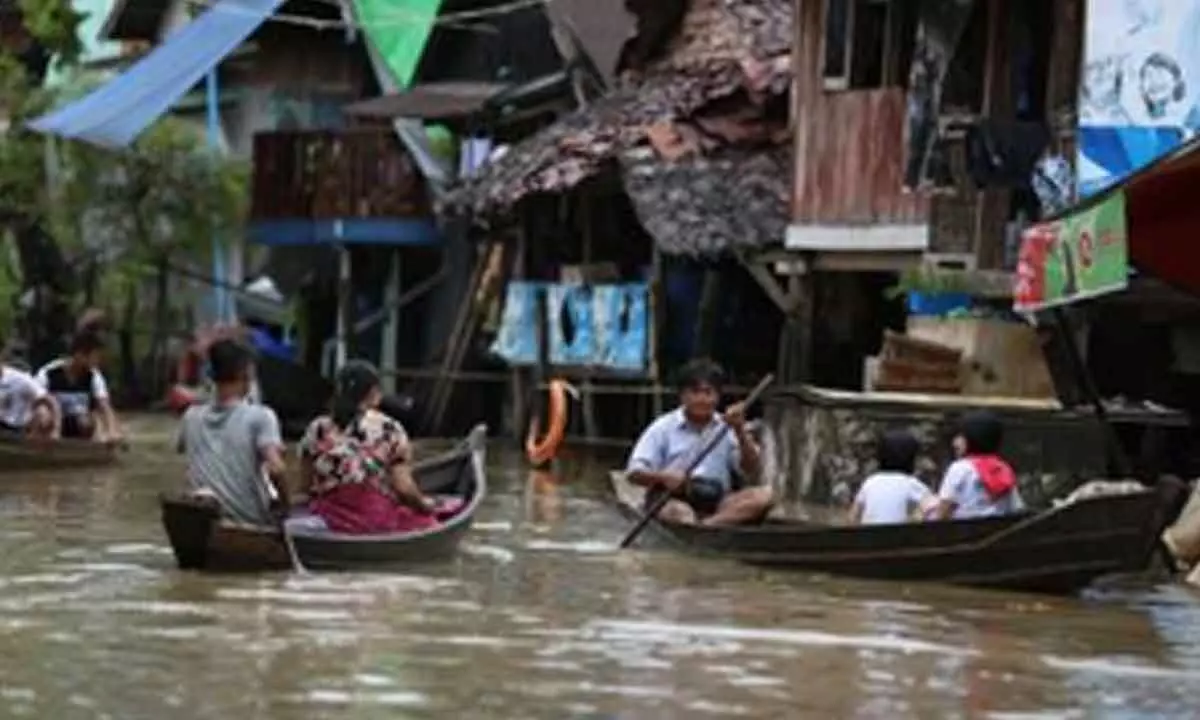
pixel 460 19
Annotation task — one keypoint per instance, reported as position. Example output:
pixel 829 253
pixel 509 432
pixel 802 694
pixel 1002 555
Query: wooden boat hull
pixel 1059 551
pixel 22 454
pixel 201 541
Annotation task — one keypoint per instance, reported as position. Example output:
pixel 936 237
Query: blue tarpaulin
pixel 117 112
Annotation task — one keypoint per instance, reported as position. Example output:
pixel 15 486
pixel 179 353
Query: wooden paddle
pixel 273 497
pixel 705 449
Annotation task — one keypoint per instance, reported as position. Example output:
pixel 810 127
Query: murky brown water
pixel 539 618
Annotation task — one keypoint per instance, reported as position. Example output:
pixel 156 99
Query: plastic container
pixel 937 304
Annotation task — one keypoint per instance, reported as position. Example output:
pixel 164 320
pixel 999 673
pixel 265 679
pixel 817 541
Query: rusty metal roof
pixel 600 27
pixel 727 56
pixel 708 203
pixel 429 101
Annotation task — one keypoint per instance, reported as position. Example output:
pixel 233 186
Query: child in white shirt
pixel 892 493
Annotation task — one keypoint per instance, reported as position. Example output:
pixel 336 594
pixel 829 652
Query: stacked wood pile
pixel 908 364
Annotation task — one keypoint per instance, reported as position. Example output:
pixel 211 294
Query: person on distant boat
pixel 86 412
pixel 355 462
pixel 667 444
pixel 26 408
pixel 892 493
pixel 979 483
pixel 231 444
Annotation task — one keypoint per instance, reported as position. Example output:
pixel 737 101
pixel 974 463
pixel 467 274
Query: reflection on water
pixel 537 618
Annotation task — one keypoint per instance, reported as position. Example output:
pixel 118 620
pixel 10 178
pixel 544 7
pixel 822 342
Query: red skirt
pixel 359 509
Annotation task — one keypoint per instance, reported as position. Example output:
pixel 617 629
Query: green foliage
pixel 929 279
pixel 165 195
pixel 54 24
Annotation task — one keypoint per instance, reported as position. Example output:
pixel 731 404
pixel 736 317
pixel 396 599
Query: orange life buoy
pixel 544 450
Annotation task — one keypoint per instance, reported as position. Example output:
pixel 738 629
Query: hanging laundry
pixel 621 313
pixel 1053 183
pixel 570 315
pixel 516 342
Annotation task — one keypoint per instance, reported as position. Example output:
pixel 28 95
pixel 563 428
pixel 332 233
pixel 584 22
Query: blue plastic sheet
pixel 117 112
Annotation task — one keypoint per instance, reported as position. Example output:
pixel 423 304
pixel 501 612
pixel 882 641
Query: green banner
pixel 399 30
pixel 1081 256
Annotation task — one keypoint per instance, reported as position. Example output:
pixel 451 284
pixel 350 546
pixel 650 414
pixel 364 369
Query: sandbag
pixel 1183 537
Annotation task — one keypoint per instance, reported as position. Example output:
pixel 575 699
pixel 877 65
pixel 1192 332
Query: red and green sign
pixel 1080 256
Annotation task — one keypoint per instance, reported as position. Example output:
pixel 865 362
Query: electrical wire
pixel 460 19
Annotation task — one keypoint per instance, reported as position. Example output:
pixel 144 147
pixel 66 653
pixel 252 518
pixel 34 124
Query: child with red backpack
pixel 980 483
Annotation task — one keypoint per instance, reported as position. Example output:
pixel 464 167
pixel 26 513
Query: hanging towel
pixel 570 315
pixel 516 342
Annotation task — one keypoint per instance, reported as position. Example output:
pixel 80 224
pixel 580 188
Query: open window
pixel 867 43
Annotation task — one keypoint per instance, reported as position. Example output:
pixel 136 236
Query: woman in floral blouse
pixel 355 463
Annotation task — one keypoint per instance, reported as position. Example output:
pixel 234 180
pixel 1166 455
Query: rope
pixel 460 19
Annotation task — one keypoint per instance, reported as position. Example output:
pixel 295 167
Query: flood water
pixel 538 618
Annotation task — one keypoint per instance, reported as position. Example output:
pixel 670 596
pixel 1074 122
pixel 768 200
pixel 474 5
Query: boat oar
pixel 705 449
pixel 273 496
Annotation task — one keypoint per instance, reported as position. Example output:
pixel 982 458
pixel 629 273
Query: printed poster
pixel 1080 256
pixel 603 326
pixel 1139 95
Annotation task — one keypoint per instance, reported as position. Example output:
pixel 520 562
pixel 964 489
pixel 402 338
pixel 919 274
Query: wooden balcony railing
pixel 326 175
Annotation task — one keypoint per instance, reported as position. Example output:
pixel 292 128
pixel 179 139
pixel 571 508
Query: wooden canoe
pixel 1058 551
pixel 21 454
pixel 201 541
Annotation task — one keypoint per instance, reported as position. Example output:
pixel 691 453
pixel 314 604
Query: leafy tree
pixel 140 210
pixel 158 203
pixel 50 32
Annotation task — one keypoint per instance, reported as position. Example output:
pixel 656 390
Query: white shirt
pixel 99 384
pixel 18 392
pixel 963 486
pixel 889 497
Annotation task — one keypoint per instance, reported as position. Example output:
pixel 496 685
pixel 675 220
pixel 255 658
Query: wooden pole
pixel 517 384
pixel 1116 454
pixel 656 298
pixel 345 312
pixel 588 395
pixel 390 337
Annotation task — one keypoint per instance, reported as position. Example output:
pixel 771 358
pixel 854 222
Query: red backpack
pixel 997 476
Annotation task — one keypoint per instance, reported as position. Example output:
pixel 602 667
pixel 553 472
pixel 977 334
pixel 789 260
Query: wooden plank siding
pixel 326 175
pixel 849 144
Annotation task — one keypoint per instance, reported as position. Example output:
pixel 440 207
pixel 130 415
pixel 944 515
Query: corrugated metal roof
pixel 117 112
pixel 431 101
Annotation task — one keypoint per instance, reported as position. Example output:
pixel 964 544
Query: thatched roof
pixel 722 51
pixel 706 204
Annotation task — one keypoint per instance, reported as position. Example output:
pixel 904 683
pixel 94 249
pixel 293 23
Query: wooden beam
pixel 993 208
pixel 761 272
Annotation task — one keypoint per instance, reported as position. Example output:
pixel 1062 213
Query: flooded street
pixel 538 618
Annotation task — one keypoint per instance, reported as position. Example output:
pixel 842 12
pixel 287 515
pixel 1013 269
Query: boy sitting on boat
pixel 26 408
pixel 75 382
pixel 980 483
pixel 669 442
pixel 893 493
pixel 231 444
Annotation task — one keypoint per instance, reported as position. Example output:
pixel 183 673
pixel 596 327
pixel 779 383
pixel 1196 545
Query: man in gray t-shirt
pixel 230 442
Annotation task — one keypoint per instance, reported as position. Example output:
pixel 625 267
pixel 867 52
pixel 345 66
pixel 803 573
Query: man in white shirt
pixel 26 408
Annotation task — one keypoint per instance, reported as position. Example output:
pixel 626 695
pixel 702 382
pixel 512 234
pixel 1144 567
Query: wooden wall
pixel 324 175
pixel 297 58
pixel 849 146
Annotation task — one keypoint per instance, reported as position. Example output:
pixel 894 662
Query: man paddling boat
pixel 667 444
pixel 230 442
